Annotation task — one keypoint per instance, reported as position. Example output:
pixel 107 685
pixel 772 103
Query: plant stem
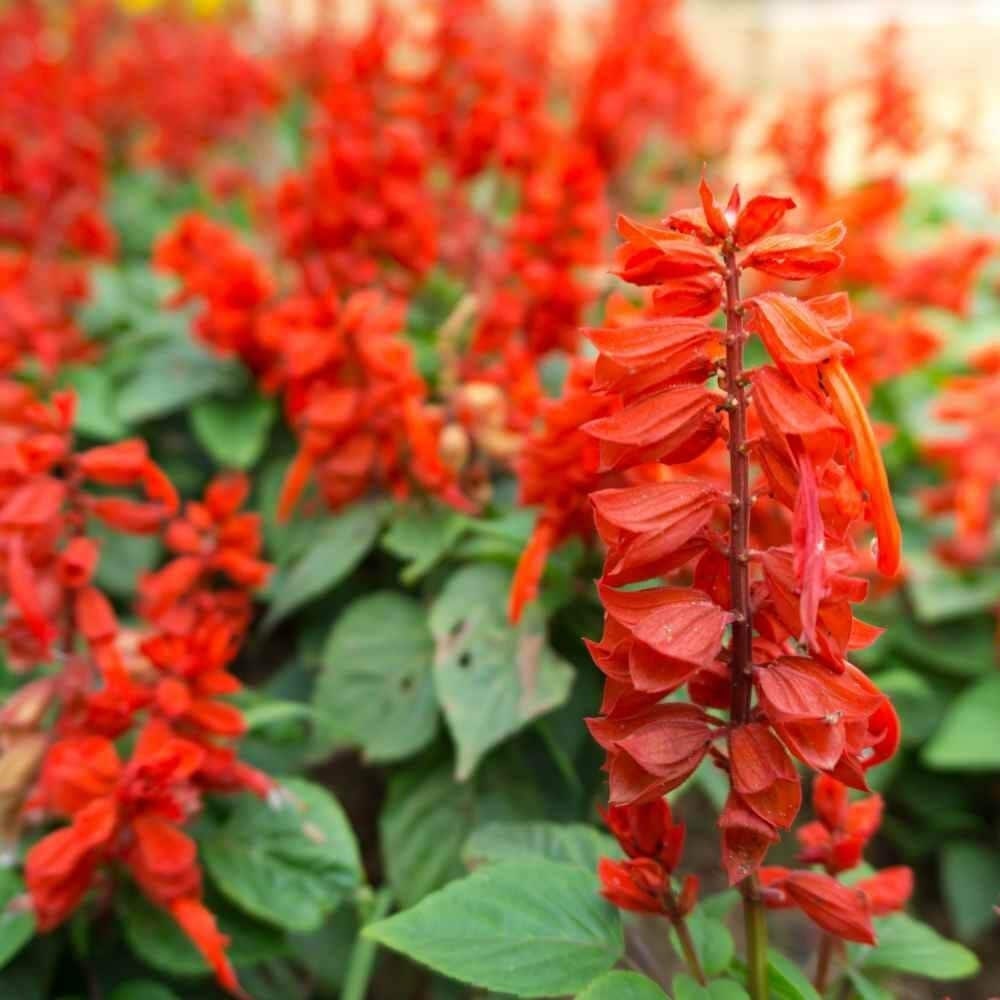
pixel 741 659
pixel 824 960
pixel 687 947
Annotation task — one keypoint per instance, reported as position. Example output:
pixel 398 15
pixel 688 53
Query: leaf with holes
pixel 375 688
pixel 491 677
pixel 291 865
pixel 527 928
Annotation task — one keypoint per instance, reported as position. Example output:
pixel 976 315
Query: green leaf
pixel 916 700
pixel 154 936
pixel 142 989
pixel 423 825
pixel 291 865
pixel 786 981
pixel 712 942
pixel 234 432
pixel 865 988
pixel 16 928
pixel 491 677
pixel 970 877
pixel 174 376
pixel 622 986
pixel 337 546
pixel 421 535
pixel 966 739
pixel 906 945
pixel 375 688
pixel 572 843
pixel 272 712
pixel 123 558
pixel 685 988
pixel 96 407
pixel 940 593
pixel 527 928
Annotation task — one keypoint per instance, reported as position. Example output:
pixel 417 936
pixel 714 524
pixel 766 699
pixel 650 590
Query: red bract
pixel 771 614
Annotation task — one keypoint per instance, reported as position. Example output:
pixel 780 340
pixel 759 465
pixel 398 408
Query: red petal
pixel 199 925
pixel 792 333
pixel 798 256
pixel 764 775
pixel 838 909
pixel 746 839
pixel 760 215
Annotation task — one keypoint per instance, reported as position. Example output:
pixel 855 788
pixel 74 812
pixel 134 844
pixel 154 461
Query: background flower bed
pixel 218 243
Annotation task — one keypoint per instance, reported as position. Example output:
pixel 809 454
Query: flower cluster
pixel 836 840
pixel 968 458
pixel 764 626
pixel 162 684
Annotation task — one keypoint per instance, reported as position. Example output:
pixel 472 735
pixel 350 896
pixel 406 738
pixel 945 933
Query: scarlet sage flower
pixel 129 813
pixel 769 641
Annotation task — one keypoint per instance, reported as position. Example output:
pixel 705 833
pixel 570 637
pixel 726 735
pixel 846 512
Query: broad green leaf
pixel 16 928
pixel 712 942
pixel 271 712
pixel 96 408
pixel 234 432
pixel 142 989
pixel 421 535
pixel 685 988
pixel 622 986
pixel 154 936
pixel 491 677
pixel 957 648
pixel 940 593
pixel 970 879
pixel 719 904
pixel 786 981
pixel 174 376
pixel 573 843
pixel 966 739
pixel 428 815
pixel 326 953
pixel 290 865
pixel 375 688
pixel 337 546
pixel 527 928
pixel 906 945
pixel 865 988
pixel 915 699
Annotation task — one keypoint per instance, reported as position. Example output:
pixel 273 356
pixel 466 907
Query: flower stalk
pixel 740 651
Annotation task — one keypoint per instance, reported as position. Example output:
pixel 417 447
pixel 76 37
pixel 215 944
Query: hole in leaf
pixel 406 684
pixel 465 659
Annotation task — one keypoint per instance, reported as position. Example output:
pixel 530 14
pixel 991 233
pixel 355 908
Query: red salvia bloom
pixel 785 602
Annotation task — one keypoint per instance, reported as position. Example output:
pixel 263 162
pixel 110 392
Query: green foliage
pixel 622 986
pixel 685 988
pixel 970 880
pixel 375 688
pixel 966 739
pixel 290 865
pixel 712 942
pixel 16 929
pixel 336 548
pixel 491 677
pixel 571 843
pixel 234 432
pixel 528 928
pixel 909 946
